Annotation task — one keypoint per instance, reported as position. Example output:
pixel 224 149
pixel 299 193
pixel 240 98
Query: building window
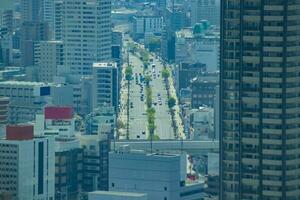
pixel 165 188
pixel 112 185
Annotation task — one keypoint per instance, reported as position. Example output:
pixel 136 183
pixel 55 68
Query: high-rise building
pixel 27 164
pixel 260 100
pixel 205 10
pixel 84 26
pixel 105 85
pixel 48 57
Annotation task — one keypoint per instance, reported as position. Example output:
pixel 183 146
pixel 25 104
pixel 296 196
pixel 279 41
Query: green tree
pixel 165 73
pixel 155 137
pixel 147 80
pixel 128 73
pixel 171 102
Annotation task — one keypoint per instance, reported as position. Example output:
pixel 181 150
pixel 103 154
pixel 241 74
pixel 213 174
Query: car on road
pixel 155 103
pixel 144 132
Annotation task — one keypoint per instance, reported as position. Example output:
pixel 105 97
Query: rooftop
pixel 116 193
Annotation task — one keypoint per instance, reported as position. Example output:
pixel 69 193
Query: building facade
pixel 259 100
pixel 105 85
pixel 84 26
pixel 205 10
pixel 27 164
pixel 48 56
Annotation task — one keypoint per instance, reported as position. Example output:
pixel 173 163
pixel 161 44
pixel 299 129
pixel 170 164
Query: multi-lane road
pixel 137 107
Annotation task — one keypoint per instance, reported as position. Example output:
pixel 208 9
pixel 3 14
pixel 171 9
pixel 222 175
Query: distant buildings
pixel 186 72
pixel 146 25
pixel 203 90
pixel 48 56
pixel 205 10
pixel 161 176
pixel 199 44
pixel 27 164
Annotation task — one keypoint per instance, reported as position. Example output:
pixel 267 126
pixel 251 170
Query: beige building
pixel 260 105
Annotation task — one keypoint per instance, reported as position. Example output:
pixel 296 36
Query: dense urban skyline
pixel 149 99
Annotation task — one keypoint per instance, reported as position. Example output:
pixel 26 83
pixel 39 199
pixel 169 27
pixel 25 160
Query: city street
pixel 138 118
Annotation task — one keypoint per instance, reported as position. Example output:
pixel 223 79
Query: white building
pixel 48 57
pixel 202 122
pixel 197 48
pixel 205 10
pixel 27 164
pixel 84 26
pixel 113 195
pixel 26 99
pixel 161 176
pixel 143 25
pixel 105 85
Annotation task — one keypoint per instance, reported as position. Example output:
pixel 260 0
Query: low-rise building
pixel 159 175
pixel 114 195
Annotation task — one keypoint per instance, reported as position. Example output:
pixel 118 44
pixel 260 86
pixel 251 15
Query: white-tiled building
pixel 113 195
pixel 27 164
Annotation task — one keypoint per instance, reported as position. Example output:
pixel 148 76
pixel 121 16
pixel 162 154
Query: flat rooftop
pixel 117 193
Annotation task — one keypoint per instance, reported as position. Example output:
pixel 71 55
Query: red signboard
pixel 57 113
pixel 19 132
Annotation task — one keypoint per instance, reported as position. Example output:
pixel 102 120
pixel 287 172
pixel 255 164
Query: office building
pixel 48 57
pixel 198 45
pixel 185 73
pixel 113 195
pixel 27 164
pixel 205 10
pixel 84 26
pixel 259 100
pixel 95 161
pixel 203 90
pixel 26 99
pixel 159 175
pixel 105 85
pixel 68 168
pixel 31 33
pixel 146 24
pixel 4 104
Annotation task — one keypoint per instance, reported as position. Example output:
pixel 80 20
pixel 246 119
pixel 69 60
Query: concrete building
pixel 185 72
pixel 198 46
pixel 205 10
pixel 259 101
pixel 84 26
pixel 113 195
pixel 101 119
pixel 27 164
pixel 204 90
pixel 26 99
pixel 4 105
pixel 95 161
pixel 159 175
pixel 32 32
pixel 48 57
pixel 68 168
pixel 105 85
pixel 202 123
pixel 143 25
